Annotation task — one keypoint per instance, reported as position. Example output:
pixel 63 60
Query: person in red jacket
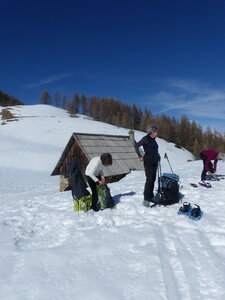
pixel 207 156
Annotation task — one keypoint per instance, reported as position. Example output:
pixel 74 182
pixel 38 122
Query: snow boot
pixel 146 203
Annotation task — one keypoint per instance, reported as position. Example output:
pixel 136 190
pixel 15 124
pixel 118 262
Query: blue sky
pixel 168 56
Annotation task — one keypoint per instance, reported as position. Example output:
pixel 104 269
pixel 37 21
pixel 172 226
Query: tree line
pixel 6 100
pixel 182 132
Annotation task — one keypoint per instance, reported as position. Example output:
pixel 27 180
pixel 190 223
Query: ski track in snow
pixel 157 253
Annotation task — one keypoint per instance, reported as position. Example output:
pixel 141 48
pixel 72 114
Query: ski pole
pixel 159 174
pixel 165 156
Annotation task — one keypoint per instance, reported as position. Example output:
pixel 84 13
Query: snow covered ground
pixel 131 252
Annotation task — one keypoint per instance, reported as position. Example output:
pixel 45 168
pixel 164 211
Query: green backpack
pixel 83 204
pixel 105 200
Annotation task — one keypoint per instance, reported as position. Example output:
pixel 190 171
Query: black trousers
pixel 150 173
pixel 204 171
pixel 93 186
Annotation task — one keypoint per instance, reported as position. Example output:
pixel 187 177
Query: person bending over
pixel 95 175
pixel 207 156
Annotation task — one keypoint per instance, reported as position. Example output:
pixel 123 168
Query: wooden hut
pixel 84 147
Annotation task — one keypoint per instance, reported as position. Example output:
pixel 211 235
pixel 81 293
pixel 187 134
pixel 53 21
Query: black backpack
pixel 168 189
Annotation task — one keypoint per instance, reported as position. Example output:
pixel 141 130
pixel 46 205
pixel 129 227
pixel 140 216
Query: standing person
pixel 208 155
pixel 150 159
pixel 95 175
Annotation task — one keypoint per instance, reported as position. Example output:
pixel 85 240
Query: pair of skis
pixel 211 177
pixel 215 177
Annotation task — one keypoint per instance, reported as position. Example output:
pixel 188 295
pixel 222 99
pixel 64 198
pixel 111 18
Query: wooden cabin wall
pixel 74 152
pixel 63 183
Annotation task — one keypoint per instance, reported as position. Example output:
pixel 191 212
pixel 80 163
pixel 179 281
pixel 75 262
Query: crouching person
pixel 95 175
pixel 207 156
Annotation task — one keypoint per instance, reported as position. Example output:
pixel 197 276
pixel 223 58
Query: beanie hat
pixel 152 128
pixel 222 156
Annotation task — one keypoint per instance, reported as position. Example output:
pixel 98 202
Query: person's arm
pixel 139 144
pixel 92 169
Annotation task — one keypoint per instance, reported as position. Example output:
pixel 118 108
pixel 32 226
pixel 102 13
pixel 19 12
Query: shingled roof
pixel 85 146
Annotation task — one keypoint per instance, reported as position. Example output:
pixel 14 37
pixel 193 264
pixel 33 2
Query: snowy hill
pixel 48 251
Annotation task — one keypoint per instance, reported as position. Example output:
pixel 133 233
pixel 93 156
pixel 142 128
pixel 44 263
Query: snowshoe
pixel 185 209
pixel 194 184
pixel 220 176
pixel 205 184
pixel 196 213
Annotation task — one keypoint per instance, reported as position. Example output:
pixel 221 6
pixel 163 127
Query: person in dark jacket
pixel 207 156
pixel 150 159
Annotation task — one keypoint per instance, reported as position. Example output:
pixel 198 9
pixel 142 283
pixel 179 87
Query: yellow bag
pixel 83 204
